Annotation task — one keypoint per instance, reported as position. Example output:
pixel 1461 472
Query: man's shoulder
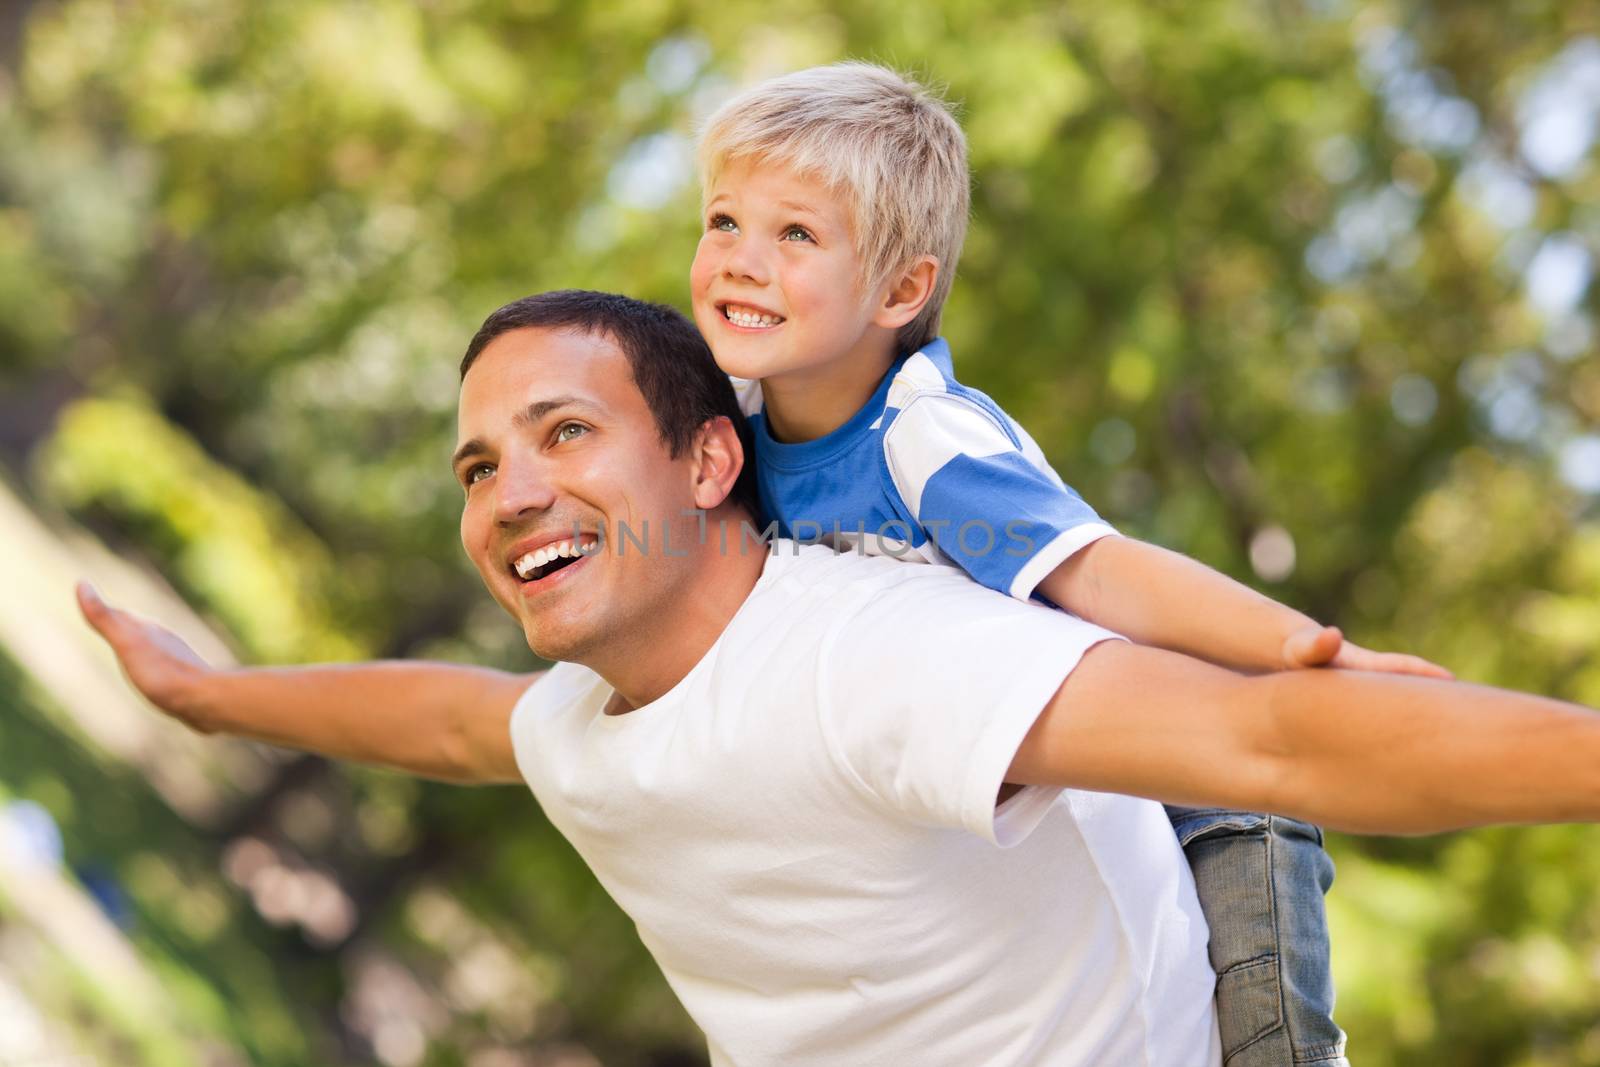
pixel 561 687
pixel 843 581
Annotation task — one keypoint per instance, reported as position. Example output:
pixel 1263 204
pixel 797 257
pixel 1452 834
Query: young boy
pixel 836 203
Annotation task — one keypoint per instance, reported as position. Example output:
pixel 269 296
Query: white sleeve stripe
pixel 930 431
pixel 917 374
pixel 747 391
pixel 1062 547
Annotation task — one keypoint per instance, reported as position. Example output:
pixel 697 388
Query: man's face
pixel 557 451
pixel 776 281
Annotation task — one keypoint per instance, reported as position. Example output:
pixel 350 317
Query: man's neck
pixel 691 619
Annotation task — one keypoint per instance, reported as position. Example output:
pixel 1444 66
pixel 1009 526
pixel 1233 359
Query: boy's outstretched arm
pixel 1165 600
pixel 1368 753
pixel 437 720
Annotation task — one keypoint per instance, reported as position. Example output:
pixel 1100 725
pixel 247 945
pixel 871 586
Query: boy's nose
pixel 745 261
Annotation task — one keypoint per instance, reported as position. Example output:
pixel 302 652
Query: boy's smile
pixel 747 317
pixel 778 293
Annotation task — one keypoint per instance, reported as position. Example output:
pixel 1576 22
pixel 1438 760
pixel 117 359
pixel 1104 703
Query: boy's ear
pixel 908 291
pixel 718 459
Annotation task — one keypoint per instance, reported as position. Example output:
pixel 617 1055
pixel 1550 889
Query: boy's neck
pixel 804 405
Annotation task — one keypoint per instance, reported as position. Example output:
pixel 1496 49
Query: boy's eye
pixel 797 233
pixel 563 431
pixel 723 223
pixel 476 473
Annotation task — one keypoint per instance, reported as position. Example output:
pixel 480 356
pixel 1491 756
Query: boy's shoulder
pixel 925 397
pixel 930 418
pixel 929 370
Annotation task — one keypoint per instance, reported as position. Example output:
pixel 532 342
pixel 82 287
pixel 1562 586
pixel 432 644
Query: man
pixel 827 788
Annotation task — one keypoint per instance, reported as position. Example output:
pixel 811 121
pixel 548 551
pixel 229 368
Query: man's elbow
pixel 1277 771
pixel 1301 769
pixel 470 758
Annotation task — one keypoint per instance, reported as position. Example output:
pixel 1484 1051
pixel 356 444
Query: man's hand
pixel 155 659
pixel 439 720
pixel 1325 646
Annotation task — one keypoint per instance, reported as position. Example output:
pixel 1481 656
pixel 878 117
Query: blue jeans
pixel 1261 880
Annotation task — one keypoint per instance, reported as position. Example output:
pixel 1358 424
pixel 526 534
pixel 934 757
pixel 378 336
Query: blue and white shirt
pixel 927 470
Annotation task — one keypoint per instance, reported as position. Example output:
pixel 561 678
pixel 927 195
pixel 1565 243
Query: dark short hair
pixel 671 364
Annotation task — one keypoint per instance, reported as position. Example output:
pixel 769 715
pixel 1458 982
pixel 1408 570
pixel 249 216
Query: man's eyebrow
pixel 528 416
pixel 471 448
pixel 540 409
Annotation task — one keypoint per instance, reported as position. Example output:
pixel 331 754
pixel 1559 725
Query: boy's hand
pixel 1325 646
pixel 154 658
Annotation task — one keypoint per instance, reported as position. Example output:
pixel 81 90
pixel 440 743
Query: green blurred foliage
pixel 213 957
pixel 234 548
pixel 1255 274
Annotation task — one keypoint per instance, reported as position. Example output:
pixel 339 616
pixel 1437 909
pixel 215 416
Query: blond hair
pixel 888 145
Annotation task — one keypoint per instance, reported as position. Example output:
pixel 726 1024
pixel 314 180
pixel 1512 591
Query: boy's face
pixel 776 282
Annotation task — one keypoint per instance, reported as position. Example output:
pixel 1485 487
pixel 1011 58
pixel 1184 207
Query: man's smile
pixel 557 572
pixel 533 564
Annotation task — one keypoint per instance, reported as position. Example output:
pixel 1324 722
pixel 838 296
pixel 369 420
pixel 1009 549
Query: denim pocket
pixel 1190 824
pixel 1250 1016
pixel 1261 881
pixel 1231 859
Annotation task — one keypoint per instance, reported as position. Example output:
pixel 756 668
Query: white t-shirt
pixel 804 830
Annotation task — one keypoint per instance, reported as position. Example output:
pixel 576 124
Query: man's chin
pixel 557 644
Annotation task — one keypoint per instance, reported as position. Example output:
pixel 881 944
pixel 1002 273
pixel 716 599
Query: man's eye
pixel 797 233
pixel 476 473
pixel 723 223
pixel 565 431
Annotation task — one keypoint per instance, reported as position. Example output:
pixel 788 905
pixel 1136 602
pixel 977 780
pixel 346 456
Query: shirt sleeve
pixel 994 510
pixel 928 689
pixel 747 391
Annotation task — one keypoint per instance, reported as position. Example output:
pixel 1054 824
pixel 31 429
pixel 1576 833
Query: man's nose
pixel 522 488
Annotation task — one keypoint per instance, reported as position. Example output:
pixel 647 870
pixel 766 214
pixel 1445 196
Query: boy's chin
pixel 739 364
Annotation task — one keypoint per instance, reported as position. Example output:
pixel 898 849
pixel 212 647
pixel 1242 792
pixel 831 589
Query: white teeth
pixel 750 318
pixel 532 561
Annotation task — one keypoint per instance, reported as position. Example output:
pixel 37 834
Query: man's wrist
pixel 199 699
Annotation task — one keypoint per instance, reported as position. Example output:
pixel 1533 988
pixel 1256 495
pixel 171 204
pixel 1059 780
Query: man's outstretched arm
pixel 437 720
pixel 1367 753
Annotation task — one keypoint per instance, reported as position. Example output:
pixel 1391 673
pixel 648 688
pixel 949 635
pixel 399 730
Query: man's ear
pixel 718 459
pixel 908 291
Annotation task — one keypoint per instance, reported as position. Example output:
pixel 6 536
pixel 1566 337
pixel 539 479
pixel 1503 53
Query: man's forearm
pixel 1393 754
pixel 433 719
pixel 1357 751
pixel 1166 600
